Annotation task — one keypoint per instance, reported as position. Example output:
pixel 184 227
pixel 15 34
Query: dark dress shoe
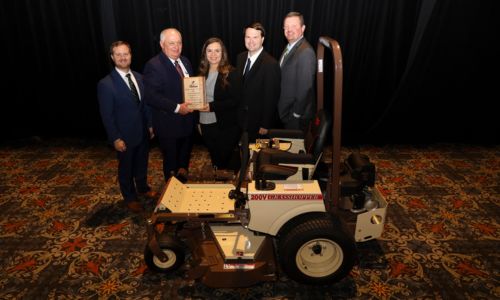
pixel 152 195
pixel 135 207
pixel 224 175
pixel 182 175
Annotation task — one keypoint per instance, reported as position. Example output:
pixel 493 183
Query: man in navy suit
pixel 297 104
pixel 261 84
pixel 127 121
pixel 173 120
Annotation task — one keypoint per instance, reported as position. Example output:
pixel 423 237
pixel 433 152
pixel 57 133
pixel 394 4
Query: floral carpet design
pixel 64 233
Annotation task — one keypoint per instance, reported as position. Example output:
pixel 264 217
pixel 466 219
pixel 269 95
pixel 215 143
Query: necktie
pixel 284 55
pixel 247 67
pixel 133 89
pixel 179 69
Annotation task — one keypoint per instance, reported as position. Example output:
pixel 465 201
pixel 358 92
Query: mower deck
pixel 196 198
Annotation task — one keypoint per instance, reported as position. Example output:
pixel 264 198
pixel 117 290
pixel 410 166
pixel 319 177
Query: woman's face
pixel 214 53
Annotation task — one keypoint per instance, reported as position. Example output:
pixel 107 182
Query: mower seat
pixel 277 164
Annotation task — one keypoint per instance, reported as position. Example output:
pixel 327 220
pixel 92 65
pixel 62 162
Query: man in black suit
pixel 173 120
pixel 261 84
pixel 127 121
pixel 297 103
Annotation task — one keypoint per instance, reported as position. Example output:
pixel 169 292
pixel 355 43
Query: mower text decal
pixel 239 266
pixel 286 197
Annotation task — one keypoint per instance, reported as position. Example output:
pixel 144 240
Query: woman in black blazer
pixel 219 121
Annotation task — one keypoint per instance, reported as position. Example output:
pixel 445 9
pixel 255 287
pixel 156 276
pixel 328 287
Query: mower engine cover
pixel 271 209
pixel 361 168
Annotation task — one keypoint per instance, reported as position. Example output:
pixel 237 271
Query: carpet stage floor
pixel 65 235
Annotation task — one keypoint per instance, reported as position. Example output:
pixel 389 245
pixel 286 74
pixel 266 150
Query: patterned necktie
pixel 133 89
pixel 247 67
pixel 179 69
pixel 284 55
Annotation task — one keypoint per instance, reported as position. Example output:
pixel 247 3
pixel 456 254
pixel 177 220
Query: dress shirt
pixel 253 58
pixel 124 77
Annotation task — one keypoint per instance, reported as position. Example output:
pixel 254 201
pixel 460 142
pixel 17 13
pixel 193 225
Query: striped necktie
pixel 284 55
pixel 133 88
pixel 179 69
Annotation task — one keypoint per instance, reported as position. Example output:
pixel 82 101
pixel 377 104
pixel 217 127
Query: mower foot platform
pixel 230 249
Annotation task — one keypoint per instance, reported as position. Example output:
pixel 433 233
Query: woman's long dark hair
pixel 224 66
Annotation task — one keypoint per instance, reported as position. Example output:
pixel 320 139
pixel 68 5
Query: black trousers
pixel 176 154
pixel 297 123
pixel 133 170
pixel 222 144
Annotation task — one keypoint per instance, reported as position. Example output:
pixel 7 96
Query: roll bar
pixel 333 190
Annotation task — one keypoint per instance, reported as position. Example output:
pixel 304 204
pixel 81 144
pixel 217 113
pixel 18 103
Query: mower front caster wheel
pixel 173 250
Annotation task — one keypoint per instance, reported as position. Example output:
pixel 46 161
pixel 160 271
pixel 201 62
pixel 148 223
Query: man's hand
pixel 184 109
pixel 151 133
pixel 120 145
pixel 205 108
pixel 263 131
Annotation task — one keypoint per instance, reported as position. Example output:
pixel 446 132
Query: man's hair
pixel 296 14
pixel 162 33
pixel 119 43
pixel 256 26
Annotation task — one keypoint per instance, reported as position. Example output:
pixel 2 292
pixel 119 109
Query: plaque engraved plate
pixel 194 92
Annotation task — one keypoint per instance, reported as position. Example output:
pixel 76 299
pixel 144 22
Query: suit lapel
pixel 119 82
pixel 292 51
pixel 167 63
pixel 121 86
pixel 186 65
pixel 255 65
pixel 141 85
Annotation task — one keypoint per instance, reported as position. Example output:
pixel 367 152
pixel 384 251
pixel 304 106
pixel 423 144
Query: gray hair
pixel 162 34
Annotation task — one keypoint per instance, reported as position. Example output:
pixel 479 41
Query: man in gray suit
pixel 297 103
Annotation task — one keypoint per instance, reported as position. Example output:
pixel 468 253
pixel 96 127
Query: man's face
pixel 121 57
pixel 292 29
pixel 253 39
pixel 172 44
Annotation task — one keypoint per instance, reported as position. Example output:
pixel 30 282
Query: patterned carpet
pixel 64 234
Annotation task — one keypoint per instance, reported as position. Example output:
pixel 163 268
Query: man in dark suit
pixel 173 120
pixel 297 103
pixel 127 121
pixel 261 84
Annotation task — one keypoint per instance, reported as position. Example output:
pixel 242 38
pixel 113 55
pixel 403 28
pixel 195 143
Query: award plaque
pixel 193 90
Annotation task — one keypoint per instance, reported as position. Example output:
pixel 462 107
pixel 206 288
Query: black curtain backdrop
pixel 414 71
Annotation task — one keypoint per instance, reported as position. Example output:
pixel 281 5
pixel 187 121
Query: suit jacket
pixel 226 100
pixel 163 91
pixel 121 116
pixel 260 91
pixel 298 73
